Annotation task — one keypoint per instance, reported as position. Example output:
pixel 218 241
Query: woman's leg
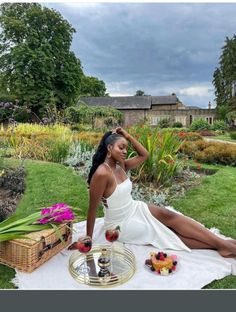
pixel 193 243
pixel 194 233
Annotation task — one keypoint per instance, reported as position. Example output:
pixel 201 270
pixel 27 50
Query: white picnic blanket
pixel 195 269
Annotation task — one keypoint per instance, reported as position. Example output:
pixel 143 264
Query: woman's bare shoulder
pixel 102 171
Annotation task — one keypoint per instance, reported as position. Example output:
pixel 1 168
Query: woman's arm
pixel 97 187
pixel 138 147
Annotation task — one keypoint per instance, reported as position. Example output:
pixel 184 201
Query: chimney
pixel 209 105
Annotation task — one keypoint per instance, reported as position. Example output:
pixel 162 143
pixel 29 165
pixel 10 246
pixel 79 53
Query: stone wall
pixel 185 116
pixel 133 116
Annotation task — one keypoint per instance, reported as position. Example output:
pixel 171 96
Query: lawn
pixel 211 203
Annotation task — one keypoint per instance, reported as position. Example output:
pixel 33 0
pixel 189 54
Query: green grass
pixel 47 184
pixel 213 203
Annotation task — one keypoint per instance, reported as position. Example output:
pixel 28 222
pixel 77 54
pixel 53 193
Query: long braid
pixel 100 155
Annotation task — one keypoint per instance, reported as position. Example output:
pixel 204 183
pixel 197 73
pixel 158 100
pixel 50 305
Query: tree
pixel 92 86
pixel 36 64
pixel 224 78
pixel 139 93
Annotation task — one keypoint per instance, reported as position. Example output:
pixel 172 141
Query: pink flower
pixel 57 213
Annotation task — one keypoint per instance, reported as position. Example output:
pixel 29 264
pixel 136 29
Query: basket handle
pixel 51 246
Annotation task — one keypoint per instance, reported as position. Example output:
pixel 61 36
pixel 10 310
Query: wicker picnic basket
pixel 28 254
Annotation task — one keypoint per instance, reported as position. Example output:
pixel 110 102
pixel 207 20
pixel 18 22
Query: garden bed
pixel 12 186
pixel 203 171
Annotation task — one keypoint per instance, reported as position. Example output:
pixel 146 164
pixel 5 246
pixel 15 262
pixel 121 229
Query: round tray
pixel 122 266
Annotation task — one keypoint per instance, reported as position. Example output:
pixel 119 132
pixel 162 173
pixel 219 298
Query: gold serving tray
pixel 122 266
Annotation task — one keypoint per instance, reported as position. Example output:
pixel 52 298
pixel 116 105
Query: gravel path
pixel 221 141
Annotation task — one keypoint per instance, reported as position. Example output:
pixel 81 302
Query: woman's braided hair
pixel 108 138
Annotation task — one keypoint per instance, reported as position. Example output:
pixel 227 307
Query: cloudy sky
pixel 160 48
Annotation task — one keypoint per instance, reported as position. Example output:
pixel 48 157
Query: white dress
pixel 137 224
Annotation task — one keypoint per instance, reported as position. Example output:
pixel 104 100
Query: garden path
pixel 217 140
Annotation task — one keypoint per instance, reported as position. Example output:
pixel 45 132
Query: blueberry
pixel 152 268
pixel 175 262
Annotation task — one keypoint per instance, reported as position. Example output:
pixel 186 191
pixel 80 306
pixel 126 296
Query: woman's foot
pixel 229 249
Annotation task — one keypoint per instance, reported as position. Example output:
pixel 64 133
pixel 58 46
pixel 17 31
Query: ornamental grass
pixel 163 163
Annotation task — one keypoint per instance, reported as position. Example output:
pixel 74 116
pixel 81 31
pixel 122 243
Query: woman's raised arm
pixel 138 147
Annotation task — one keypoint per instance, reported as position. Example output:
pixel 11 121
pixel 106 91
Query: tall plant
pixel 162 163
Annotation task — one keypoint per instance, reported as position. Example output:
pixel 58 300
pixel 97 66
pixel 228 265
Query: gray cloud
pixel 157 47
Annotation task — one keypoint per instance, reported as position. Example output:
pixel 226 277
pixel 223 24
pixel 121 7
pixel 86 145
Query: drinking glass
pixel 111 236
pixel 84 245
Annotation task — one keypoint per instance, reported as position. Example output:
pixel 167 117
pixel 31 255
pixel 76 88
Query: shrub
pixel 199 124
pixel 210 152
pixel 73 115
pixel 189 136
pixel 177 124
pixel 87 114
pixel 206 133
pixel 219 125
pixel 164 123
pixel 21 114
pixel 232 135
pixel 5 114
pixel 218 153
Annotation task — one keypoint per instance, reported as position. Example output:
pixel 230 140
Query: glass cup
pixel 111 236
pixel 84 245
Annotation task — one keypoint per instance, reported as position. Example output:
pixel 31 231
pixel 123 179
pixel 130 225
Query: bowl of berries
pixel 161 263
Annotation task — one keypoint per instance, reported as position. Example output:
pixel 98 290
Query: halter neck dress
pixel 137 224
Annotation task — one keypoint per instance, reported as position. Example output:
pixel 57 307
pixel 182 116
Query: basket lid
pixel 35 237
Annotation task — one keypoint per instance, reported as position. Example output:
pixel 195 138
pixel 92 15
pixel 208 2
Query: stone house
pixel 153 109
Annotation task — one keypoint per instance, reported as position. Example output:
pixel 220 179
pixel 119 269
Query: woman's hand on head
pixel 121 131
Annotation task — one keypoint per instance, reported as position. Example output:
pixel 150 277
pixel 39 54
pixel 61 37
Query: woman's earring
pixel 109 154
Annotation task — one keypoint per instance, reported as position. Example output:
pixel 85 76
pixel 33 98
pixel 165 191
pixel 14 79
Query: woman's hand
pixel 121 131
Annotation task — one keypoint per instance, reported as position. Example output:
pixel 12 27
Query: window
pixel 190 119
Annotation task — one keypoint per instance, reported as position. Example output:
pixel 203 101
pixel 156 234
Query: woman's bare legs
pixel 193 234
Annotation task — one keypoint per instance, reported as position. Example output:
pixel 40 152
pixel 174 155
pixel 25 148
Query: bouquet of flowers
pixel 45 218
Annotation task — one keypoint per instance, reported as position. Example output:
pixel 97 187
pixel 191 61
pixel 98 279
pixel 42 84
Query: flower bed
pixel 12 186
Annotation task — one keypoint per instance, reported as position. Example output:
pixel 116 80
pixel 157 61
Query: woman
pixel 140 223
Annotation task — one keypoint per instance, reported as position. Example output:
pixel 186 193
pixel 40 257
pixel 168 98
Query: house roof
pixel 119 102
pixel 129 102
pixel 164 99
